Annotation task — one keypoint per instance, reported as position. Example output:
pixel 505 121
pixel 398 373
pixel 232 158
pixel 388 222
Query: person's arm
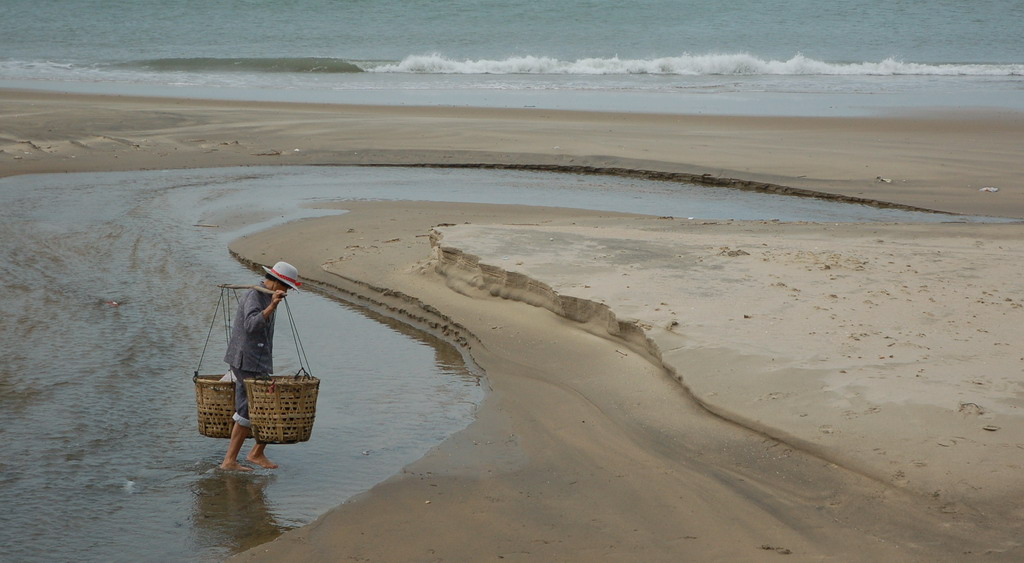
pixel 255 321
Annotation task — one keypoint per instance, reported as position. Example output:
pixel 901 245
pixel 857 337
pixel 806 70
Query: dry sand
pixel 662 389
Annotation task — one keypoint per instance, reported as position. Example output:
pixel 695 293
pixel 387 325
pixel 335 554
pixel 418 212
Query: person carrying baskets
pixel 250 354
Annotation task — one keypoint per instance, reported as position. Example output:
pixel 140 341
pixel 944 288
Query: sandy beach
pixel 933 160
pixel 661 388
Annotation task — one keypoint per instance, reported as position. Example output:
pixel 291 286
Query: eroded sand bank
pixel 668 388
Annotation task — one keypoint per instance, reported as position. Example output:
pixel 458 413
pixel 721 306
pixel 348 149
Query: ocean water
pixel 742 56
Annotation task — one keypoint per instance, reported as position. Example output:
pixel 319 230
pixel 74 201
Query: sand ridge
pixel 809 333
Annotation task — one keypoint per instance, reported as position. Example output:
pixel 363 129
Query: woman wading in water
pixel 250 354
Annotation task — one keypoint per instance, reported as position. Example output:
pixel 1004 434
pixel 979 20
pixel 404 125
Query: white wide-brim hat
pixel 286 273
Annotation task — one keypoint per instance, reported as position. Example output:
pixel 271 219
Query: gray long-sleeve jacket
pixel 251 346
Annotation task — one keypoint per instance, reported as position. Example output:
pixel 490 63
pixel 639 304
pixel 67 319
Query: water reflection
pixel 230 510
pixel 447 358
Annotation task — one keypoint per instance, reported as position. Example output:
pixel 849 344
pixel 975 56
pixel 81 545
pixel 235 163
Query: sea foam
pixel 686 64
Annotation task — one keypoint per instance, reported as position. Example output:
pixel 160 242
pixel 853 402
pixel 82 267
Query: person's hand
pixel 275 300
pixel 279 295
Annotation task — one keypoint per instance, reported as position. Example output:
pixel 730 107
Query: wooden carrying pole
pixel 259 288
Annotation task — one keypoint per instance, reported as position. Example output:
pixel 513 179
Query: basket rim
pixel 283 379
pixel 215 378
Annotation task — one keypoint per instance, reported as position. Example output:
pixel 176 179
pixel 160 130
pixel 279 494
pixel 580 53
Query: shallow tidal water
pixel 110 290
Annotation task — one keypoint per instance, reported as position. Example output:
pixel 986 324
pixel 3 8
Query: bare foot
pixel 234 466
pixel 262 461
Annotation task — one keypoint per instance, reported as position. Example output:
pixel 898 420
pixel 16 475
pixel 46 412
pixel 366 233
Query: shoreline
pixel 796 345
pixel 934 162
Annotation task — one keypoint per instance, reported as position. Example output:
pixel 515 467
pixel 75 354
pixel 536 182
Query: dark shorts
pixel 241 396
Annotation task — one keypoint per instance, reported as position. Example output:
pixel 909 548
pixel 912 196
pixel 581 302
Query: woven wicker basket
pixel 282 407
pixel 215 404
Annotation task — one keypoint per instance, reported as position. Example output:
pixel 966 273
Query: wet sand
pixel 934 160
pixel 661 388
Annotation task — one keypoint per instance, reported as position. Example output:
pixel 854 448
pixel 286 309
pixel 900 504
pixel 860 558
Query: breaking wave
pixel 738 64
pixel 696 65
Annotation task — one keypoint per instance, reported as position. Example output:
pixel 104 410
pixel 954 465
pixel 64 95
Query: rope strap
pixel 223 306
